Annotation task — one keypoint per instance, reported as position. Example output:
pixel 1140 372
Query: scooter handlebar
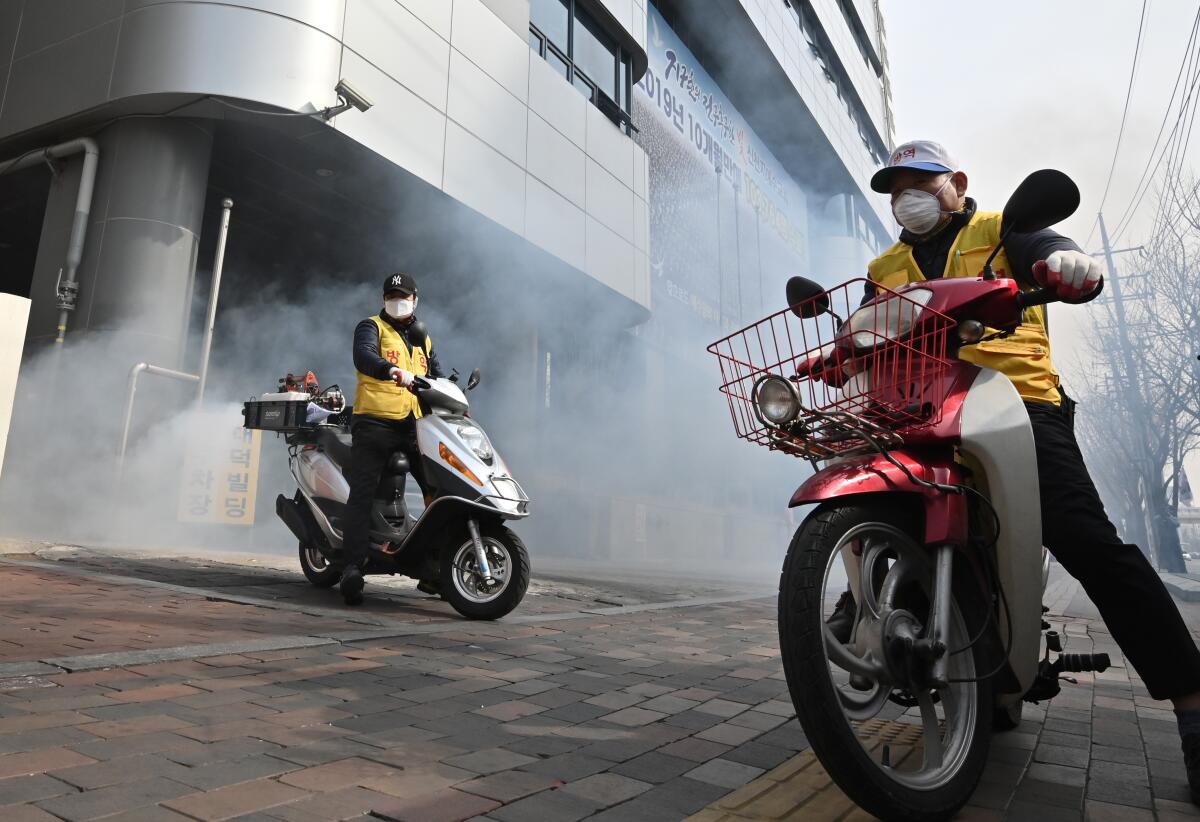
pixel 1041 296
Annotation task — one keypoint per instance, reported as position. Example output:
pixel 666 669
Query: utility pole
pixel 1150 480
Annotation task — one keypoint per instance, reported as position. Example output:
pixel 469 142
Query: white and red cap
pixel 921 155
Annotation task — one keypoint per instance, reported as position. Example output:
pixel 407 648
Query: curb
pixel 1181 587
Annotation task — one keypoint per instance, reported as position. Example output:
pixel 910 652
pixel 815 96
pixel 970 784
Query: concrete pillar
pixel 140 255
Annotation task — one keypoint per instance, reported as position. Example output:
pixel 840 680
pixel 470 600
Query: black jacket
pixel 367 358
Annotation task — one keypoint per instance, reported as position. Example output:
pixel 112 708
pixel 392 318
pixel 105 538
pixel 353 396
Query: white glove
pixel 1072 274
pixel 403 378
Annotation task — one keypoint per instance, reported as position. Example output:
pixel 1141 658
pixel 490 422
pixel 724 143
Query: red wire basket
pixel 861 376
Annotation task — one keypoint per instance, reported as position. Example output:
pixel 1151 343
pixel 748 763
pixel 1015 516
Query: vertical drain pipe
pixel 67 289
pixel 213 292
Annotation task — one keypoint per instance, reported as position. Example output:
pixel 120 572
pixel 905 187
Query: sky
pixel 1010 88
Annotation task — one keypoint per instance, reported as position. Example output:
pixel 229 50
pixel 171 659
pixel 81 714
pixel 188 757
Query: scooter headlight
pixel 474 438
pixel 776 400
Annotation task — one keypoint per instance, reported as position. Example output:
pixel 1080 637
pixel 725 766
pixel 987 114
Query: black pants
pixel 375 441
pixel 1126 590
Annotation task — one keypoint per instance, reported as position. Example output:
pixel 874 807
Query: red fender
pixel 945 512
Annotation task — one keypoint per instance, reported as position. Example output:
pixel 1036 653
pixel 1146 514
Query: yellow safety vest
pixel 1023 356
pixel 383 398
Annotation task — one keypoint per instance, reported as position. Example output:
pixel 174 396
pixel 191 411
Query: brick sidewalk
pixel 1102 750
pixel 650 713
pixel 656 711
pixel 47 613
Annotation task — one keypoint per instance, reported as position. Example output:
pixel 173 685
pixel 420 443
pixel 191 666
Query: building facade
pixel 588 191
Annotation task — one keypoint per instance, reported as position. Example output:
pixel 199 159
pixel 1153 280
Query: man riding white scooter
pixel 390 350
pixel 946 236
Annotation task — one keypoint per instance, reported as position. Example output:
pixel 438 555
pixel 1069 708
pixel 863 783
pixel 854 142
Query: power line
pixel 1176 152
pixel 1137 48
pixel 1184 64
pixel 1127 217
pixel 1139 191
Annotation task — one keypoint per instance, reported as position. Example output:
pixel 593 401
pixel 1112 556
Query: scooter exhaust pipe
pixel 288 510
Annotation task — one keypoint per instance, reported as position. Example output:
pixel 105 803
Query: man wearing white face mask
pixel 946 236
pixel 391 349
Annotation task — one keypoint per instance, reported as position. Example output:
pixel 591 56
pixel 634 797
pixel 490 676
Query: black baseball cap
pixel 400 282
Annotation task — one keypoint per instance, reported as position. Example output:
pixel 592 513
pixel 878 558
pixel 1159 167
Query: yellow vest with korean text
pixel 1023 356
pixel 383 398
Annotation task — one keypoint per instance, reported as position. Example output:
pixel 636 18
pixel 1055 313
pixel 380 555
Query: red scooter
pixel 910 603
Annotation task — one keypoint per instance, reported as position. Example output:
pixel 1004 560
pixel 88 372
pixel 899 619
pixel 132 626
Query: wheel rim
pixel 465 571
pixel 919 736
pixel 315 560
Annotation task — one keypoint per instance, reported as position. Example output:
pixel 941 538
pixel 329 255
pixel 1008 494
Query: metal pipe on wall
pixel 68 289
pixel 134 373
pixel 213 293
pixel 206 347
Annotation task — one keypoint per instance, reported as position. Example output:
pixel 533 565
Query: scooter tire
pixel 801 593
pixel 510 597
pixel 319 570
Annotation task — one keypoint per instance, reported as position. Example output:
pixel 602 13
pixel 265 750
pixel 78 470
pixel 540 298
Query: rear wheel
pixel 900 747
pixel 464 587
pixel 317 568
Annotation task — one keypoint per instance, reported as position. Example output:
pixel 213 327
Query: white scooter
pixel 459 542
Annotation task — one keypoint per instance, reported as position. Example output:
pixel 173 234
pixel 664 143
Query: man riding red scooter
pixel 946 236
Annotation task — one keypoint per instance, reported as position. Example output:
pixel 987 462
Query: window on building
pixel 597 55
pixel 821 49
pixel 568 37
pixel 552 19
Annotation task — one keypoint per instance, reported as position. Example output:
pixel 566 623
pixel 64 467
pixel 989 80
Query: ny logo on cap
pixel 397 280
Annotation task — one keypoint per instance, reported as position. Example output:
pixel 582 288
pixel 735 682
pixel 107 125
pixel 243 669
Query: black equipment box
pixel 285 416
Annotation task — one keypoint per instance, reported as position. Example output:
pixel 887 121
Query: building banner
pixel 728 225
pixel 220 476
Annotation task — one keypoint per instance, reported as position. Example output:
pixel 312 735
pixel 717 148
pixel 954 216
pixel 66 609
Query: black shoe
pixel 1191 761
pixel 351 585
pixel 430 586
pixel 841 621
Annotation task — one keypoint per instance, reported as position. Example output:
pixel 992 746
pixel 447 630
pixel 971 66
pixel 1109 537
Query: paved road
pixel 138 688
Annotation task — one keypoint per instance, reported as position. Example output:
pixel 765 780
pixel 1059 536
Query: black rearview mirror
pixel 473 380
pixel 800 292
pixel 1042 199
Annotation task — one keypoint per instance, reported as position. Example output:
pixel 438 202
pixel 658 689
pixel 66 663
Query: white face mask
pixel 400 309
pixel 919 211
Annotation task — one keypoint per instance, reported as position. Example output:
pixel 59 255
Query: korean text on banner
pixel 220 478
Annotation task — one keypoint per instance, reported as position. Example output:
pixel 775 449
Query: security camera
pixel 352 95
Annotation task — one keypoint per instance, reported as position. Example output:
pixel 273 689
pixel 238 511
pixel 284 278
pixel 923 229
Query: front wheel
pixel 317 568
pixel 899 746
pixel 462 584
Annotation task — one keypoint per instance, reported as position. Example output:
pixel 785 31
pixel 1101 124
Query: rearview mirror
pixel 800 294
pixel 1042 199
pixel 473 380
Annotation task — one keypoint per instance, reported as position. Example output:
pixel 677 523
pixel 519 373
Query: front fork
pixel 481 560
pixel 934 645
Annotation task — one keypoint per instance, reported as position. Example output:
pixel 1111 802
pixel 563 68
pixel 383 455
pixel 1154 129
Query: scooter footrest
pixel 1083 662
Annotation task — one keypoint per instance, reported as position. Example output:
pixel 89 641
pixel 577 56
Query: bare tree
pixel 1143 396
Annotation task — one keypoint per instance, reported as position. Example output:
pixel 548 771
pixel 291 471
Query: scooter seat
pixel 397 463
pixel 335 442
